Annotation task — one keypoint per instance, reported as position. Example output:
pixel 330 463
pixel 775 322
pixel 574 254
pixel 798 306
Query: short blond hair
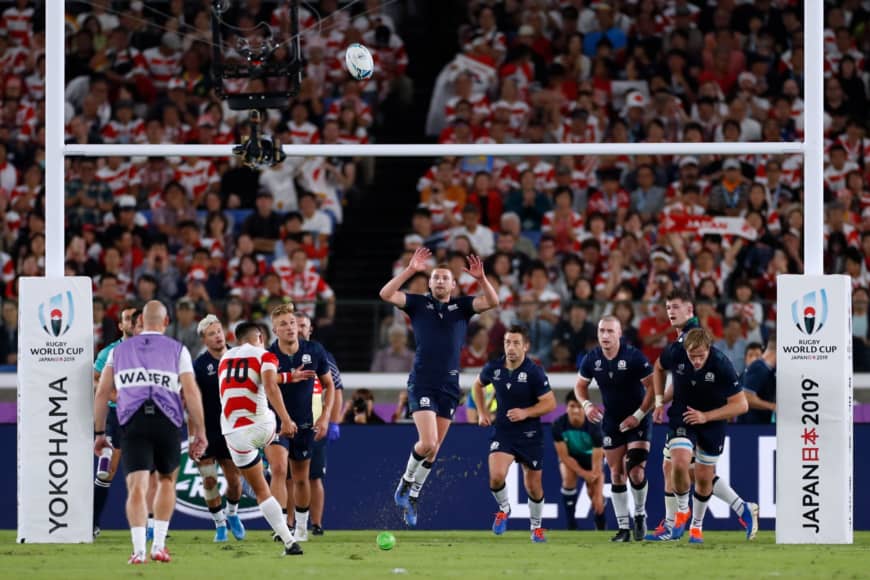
pixel 698 338
pixel 282 309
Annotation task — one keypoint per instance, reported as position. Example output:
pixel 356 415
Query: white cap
pixel 206 322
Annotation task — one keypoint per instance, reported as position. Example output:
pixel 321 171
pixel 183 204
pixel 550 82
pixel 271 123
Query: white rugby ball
pixel 359 62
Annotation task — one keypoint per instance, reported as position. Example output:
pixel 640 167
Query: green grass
pixel 471 555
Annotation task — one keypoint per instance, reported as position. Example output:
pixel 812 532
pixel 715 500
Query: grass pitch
pixel 444 554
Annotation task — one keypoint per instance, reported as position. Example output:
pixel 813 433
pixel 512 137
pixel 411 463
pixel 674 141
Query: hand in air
pixel 420 260
pixel 475 267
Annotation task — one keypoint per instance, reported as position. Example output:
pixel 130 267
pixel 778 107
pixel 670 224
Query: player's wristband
pixel 98 433
pixel 660 401
pixel 586 404
pixel 639 414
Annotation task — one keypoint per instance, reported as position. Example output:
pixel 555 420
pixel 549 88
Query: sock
pixel 302 518
pixel 501 498
pixel 682 501
pixel 151 521
pixel 638 493
pixel 600 521
pixel 536 508
pixel 217 514
pixel 420 478
pixel 414 462
pixel 569 502
pixel 273 513
pixel 670 508
pixel 101 494
pixel 726 493
pixel 699 508
pixel 138 535
pixel 619 495
pixel 232 507
pixel 161 528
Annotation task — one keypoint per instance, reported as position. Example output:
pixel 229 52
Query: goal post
pixel 835 396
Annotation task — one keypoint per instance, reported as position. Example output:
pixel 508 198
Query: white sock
pixel 670 509
pixel 272 512
pixel 726 493
pixel 232 508
pixel 699 508
pixel 150 523
pixel 138 535
pixel 619 495
pixel 161 528
pixel 501 498
pixel 682 501
pixel 219 517
pixel 414 462
pixel 302 519
pixel 420 478
pixel 536 508
pixel 639 496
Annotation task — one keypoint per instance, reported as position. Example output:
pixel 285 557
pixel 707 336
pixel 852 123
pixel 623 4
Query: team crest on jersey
pixel 522 377
pixel 621 365
pixel 306 359
pixel 210 369
pixel 710 377
pixel 680 368
pixel 424 402
pixel 493 446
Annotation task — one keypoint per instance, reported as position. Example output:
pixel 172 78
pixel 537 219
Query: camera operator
pixel 361 409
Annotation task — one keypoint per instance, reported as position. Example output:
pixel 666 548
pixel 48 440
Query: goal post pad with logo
pixel 55 410
pixel 814 410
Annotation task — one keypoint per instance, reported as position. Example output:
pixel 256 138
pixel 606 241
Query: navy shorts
pixel 708 441
pixel 614 438
pixel 527 447
pixel 113 428
pixel 300 446
pixel 217 446
pixel 424 399
pixel 317 468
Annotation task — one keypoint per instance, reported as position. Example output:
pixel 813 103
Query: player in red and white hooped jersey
pixel 248 378
pixel 164 62
pixel 17 22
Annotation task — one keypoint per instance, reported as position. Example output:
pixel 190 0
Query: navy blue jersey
pixel 676 347
pixel 580 440
pixel 704 389
pixel 333 369
pixel 205 369
pixel 439 331
pixel 761 380
pixel 619 379
pixel 297 396
pixel 515 389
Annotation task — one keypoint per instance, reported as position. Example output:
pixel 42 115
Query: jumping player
pixel 248 379
pixel 623 375
pixel 523 394
pixel 440 323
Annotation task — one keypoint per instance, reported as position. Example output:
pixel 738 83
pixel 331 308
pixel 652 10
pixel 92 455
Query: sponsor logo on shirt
pixel 452 307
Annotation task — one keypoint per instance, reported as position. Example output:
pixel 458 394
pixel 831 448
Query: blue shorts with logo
pixel 707 439
pixel 527 446
pixel 614 438
pixel 299 447
pixel 439 400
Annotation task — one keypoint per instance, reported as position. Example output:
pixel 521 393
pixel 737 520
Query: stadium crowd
pixel 202 235
pixel 567 240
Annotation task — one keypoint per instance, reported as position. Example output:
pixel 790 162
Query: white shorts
pixel 244 444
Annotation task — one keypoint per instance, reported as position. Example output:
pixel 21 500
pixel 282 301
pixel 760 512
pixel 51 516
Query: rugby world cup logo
pixel 56 314
pixel 810 312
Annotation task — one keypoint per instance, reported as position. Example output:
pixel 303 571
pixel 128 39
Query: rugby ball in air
pixel 359 62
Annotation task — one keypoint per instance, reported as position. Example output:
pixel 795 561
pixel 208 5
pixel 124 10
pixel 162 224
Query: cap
pixel 185 303
pixel 176 84
pixel 197 274
pixel 264 193
pixel 413 239
pixel 206 322
pixel 731 163
pixel 661 254
pixel 747 77
pixel 171 40
pixel 689 160
pixel 126 202
pixel 205 121
pixel 635 99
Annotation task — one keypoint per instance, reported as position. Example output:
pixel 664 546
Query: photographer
pixel 361 409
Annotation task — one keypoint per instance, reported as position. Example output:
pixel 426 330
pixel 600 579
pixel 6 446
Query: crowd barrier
pixel 365 464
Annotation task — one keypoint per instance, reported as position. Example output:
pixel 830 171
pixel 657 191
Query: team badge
pixel 621 365
pixel 522 377
pixel 710 377
pixel 306 359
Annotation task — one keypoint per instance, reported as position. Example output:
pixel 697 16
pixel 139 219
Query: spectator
pixel 481 237
pixel 9 333
pixel 860 315
pixel 747 310
pixel 264 224
pixel 576 331
pixel 395 358
pixel 733 344
pixel 475 354
pixel 510 224
pixel 361 409
pixel 529 204
pixel 730 195
pixel 87 198
pixel 184 327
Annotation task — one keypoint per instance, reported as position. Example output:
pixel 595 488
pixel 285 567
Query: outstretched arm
pixel 489 298
pixel 391 291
